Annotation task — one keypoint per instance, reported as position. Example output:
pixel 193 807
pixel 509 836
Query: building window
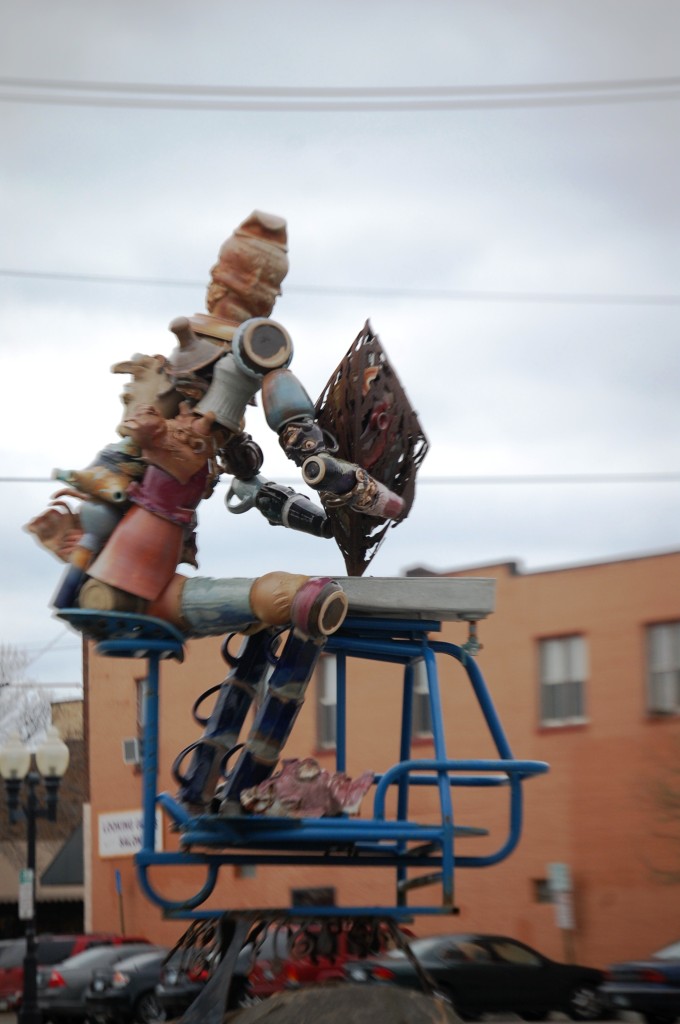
pixel 318 897
pixel 541 890
pixel 663 668
pixel 327 702
pixel 564 670
pixel 422 712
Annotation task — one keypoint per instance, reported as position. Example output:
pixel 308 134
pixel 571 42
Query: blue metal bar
pixel 404 755
pixel 355 626
pixel 481 692
pixel 211 841
pixel 150 753
pixel 191 902
pixel 445 804
pixel 514 768
pixel 403 914
pixel 341 712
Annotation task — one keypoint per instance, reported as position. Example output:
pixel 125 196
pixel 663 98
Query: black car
pixel 490 974
pixel 126 991
pixel 50 950
pixel 184 975
pixel 61 988
pixel 649 987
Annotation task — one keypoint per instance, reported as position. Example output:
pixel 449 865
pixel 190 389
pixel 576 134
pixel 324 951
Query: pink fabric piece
pixel 302 789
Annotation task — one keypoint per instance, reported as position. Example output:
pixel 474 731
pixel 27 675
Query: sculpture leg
pixel 201 606
pixel 274 720
pixel 315 607
pixel 223 726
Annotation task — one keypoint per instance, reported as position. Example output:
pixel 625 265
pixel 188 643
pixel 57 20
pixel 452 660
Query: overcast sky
pixel 514 244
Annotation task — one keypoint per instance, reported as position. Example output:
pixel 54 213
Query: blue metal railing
pixel 398 842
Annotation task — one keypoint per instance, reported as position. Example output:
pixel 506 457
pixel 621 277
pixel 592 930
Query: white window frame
pixel 327 702
pixel 421 713
pixel 663 668
pixel 563 674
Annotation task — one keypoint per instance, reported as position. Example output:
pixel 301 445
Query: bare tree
pixel 663 799
pixel 13 664
pixel 24 707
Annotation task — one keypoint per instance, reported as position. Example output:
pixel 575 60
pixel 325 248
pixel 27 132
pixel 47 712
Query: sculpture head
pixel 151 385
pixel 252 263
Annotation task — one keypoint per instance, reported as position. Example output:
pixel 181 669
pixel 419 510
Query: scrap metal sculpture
pixel 183 427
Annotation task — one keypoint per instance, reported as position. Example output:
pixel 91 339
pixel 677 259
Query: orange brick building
pixel 583 664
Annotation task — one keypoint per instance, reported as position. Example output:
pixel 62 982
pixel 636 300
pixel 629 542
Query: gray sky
pixel 455 230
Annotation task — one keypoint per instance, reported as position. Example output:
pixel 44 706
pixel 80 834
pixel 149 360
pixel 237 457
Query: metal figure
pixel 183 426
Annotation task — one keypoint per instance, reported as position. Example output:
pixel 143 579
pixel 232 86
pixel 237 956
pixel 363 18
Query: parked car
pixel 126 991
pixel 288 957
pixel 490 974
pixel 649 987
pixel 51 949
pixel 183 977
pixel 61 989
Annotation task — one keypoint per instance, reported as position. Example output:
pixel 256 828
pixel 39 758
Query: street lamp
pixel 51 761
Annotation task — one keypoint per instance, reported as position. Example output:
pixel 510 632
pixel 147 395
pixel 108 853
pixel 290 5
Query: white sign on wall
pixel 559 876
pixel 120 833
pixel 561 889
pixel 26 891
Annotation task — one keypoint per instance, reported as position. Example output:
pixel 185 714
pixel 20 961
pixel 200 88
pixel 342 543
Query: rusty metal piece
pixel 272 595
pixel 58 529
pixel 252 263
pixel 141 554
pixel 193 351
pixel 303 789
pixel 151 384
pixel 365 407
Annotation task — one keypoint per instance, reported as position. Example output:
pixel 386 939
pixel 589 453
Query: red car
pixel 291 956
pixel 51 949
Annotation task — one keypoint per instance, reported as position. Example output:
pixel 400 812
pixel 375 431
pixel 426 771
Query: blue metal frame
pixel 211 841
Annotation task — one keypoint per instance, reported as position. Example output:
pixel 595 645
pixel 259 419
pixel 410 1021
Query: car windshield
pixel 97 955
pixel 420 947
pixel 134 963
pixel 13 955
pixel 671 952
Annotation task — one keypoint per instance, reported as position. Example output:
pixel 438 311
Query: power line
pixel 336 99
pixel 661 477
pixel 361 91
pixel 423 294
pixel 48 646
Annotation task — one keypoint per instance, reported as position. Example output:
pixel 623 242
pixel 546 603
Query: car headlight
pixel 120 979
pixel 358 974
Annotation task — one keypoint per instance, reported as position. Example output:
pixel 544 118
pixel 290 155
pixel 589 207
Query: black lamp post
pixel 51 762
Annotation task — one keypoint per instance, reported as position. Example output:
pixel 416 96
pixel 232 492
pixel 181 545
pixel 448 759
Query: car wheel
pixel 246 999
pixel 148 1009
pixel 462 1011
pixel 240 996
pixel 585 1003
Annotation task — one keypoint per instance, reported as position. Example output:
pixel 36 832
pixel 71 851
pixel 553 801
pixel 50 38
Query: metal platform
pixel 417 853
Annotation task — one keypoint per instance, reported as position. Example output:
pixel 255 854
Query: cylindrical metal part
pixel 351 485
pixel 284 399
pixel 229 393
pixel 325 473
pixel 212 607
